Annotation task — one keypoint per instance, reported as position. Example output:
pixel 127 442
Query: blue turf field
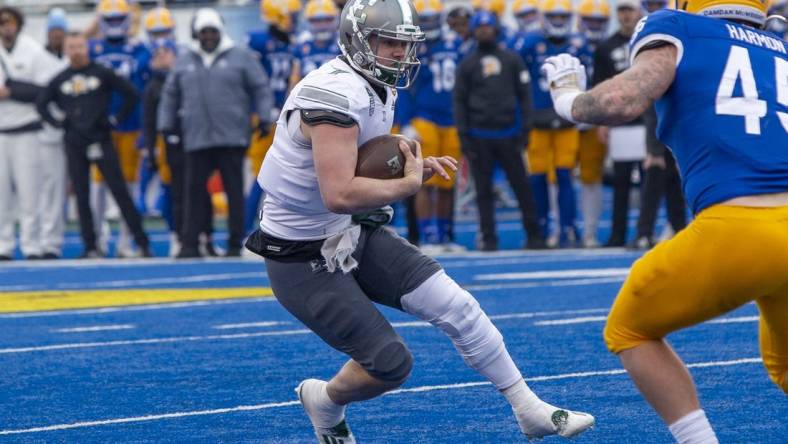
pixel 189 372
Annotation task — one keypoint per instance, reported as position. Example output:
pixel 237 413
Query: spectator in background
pixel 432 124
pixel 130 59
pixel 458 20
pixel 52 168
pixel 626 143
pixel 165 153
pixel 24 69
pixel 211 91
pixel 492 110
pixel 83 91
pixel 660 176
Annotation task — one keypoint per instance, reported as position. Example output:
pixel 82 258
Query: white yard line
pixel 590 319
pixel 555 274
pixel 544 284
pixel 274 405
pixel 260 324
pixel 130 283
pixel 93 328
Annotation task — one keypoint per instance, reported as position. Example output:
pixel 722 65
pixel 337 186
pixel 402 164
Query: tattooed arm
pixel 627 95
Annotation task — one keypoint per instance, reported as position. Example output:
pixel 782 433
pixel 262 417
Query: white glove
pixel 567 79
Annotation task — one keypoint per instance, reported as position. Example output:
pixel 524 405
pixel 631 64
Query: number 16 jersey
pixel 725 116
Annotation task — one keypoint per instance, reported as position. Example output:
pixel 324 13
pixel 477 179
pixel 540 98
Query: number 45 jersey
pixel 725 117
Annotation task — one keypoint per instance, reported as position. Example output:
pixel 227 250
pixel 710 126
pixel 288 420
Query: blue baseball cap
pixel 483 18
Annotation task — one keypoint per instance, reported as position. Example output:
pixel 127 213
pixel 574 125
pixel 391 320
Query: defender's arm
pixel 628 95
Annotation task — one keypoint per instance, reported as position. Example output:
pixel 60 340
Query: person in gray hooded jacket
pixel 212 90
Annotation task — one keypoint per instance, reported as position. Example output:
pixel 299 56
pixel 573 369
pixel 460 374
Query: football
pixel 380 157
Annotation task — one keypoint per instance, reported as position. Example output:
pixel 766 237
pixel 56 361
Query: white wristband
pixel 563 104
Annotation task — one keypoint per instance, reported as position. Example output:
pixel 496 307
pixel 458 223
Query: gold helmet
pixel 429 17
pixel 158 22
pixel 280 13
pixel 594 16
pixel 114 18
pixel 752 11
pixel 527 14
pixel 556 17
pixel 322 16
pixel 497 7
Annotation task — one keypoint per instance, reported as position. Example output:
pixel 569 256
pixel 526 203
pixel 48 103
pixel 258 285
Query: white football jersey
pixel 293 208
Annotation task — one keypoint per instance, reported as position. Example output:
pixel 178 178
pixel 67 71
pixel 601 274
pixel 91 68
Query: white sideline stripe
pixel 451 262
pixel 580 320
pixel 555 274
pixel 734 320
pixel 84 311
pixel 587 319
pixel 94 328
pixel 77 345
pixel 135 282
pixel 563 283
pixel 272 405
pixel 249 325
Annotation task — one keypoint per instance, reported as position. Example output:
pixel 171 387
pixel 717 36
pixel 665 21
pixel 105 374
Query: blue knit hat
pixel 57 19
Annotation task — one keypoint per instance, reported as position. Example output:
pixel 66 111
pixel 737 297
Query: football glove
pixel 567 79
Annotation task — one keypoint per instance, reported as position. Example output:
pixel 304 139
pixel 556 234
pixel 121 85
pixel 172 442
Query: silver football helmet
pixel 385 19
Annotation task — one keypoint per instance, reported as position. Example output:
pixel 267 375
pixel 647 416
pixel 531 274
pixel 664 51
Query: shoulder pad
pixel 313 117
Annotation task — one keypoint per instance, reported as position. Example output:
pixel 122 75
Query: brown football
pixel 380 157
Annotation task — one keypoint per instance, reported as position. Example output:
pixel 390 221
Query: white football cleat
pixel 565 423
pixel 340 433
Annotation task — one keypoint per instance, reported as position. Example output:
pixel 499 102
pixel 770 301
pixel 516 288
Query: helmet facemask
pixel 384 70
pixel 527 20
pixel 594 28
pixel 115 26
pixel 323 27
pixel 557 24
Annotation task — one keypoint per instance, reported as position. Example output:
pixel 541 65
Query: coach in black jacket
pixel 83 91
pixel 492 108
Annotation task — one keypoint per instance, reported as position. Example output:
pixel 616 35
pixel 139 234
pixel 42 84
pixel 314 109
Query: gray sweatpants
pixel 339 307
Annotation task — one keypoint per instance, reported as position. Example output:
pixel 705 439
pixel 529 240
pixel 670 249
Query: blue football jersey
pixel 311 55
pixel 725 117
pixel 432 91
pixel 535 48
pixel 276 57
pixel 130 60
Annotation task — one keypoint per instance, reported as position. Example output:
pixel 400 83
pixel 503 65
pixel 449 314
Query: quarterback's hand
pixel 438 165
pixel 414 165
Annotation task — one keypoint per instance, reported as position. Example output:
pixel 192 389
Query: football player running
pixel 328 270
pixel 730 145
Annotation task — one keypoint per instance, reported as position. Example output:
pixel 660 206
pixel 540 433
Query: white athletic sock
pixel 533 414
pixel 693 428
pixel 327 412
pixel 591 206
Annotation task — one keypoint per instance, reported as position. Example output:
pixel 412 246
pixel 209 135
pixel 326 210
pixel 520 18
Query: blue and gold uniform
pixel 130 60
pixel 554 141
pixel 274 49
pixel 311 54
pixel 725 118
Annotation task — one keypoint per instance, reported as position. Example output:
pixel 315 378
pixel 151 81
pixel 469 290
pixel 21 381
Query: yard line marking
pixel 249 325
pixel 144 307
pixel 554 274
pixel 588 319
pixel 451 262
pixel 27 301
pixel 561 283
pixel 734 320
pixel 125 283
pixel 273 405
pixel 94 328
pixel 579 320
